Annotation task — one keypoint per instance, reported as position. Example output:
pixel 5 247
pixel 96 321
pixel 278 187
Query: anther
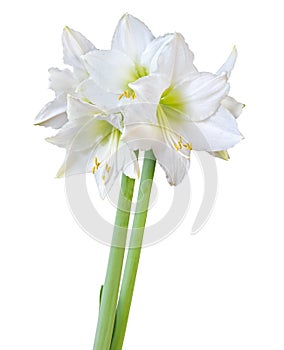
pixel 127 94
pixel 120 96
pixel 96 166
pixel 188 146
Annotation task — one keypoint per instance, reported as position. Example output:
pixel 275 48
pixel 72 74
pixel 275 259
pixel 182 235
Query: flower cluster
pixel 144 93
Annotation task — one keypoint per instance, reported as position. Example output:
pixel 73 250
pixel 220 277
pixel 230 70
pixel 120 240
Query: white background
pixel 221 289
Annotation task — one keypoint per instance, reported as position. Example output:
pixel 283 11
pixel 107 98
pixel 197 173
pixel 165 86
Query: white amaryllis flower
pixel 92 139
pixel 133 55
pixel 191 109
pixel 64 82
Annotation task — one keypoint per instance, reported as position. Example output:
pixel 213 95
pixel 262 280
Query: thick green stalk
pixel 131 266
pixel 112 280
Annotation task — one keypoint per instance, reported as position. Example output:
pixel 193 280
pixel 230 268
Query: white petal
pixel 76 163
pixel 148 136
pixel 149 89
pixel 113 158
pixel 142 136
pixel 228 66
pixel 148 92
pixel 174 165
pixel 111 70
pixel 81 134
pixel 56 122
pixel 62 81
pixel 53 113
pixel 90 91
pixel 77 109
pixel 216 133
pixel 114 119
pixel 131 37
pixel 233 106
pixel 131 165
pixel 176 60
pixel 150 56
pixel 74 46
pixel 203 95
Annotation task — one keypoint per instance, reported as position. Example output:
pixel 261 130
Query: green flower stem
pixel 112 280
pixel 131 266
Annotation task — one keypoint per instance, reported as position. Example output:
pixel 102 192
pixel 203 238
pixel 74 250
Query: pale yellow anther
pixel 188 146
pixel 103 178
pixel 127 94
pixel 120 96
pixel 96 166
pixel 107 168
pixel 176 146
pixel 180 145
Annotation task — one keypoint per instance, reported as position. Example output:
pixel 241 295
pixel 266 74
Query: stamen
pixel 127 94
pixel 176 147
pixel 180 145
pixel 107 168
pixel 188 146
pixel 96 166
pixel 120 96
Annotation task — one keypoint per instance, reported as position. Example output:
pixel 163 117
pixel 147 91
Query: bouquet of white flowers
pixel 143 95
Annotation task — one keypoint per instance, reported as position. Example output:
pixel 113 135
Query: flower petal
pixel 76 163
pixel 149 89
pixel 146 136
pixel 174 165
pixel 111 70
pixel 233 106
pixel 228 66
pixel 62 81
pixel 142 136
pixel 176 60
pixel 112 162
pixel 53 114
pixel 216 133
pixel 77 108
pixel 221 154
pixel 74 46
pixel 88 90
pixel 131 37
pixel 149 58
pixel 203 95
pixel 131 165
pixel 148 92
pixel 82 134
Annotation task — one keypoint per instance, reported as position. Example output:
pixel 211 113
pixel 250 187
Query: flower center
pixel 172 98
pixel 138 72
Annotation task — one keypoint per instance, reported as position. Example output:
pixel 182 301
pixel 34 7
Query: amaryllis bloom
pixel 187 109
pixel 92 139
pixel 64 82
pixel 133 55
